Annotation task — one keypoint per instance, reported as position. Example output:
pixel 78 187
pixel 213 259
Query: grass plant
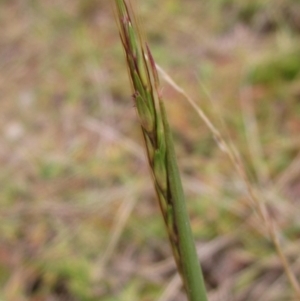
pixel 79 218
pixel 160 152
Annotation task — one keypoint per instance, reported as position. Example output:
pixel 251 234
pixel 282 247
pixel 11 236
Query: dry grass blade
pixel 160 151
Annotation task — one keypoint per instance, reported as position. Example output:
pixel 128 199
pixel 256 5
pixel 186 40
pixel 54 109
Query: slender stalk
pixel 160 152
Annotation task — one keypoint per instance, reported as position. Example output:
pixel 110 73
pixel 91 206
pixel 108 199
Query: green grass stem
pixel 160 151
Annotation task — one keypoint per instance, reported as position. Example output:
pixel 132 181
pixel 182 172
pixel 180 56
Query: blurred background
pixel 79 217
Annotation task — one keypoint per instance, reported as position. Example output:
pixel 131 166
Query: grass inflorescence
pixel 160 151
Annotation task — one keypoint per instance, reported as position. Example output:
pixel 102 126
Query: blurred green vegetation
pixel 79 218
